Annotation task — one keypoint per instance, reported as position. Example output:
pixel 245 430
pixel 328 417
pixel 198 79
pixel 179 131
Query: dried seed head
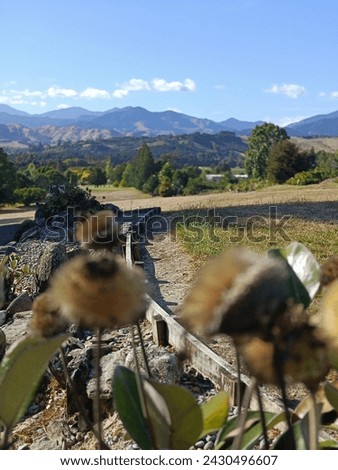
pixel 236 292
pixel 307 357
pixel 298 352
pixel 46 320
pixel 97 231
pixel 329 271
pixel 100 291
pixel 327 317
pixel 258 357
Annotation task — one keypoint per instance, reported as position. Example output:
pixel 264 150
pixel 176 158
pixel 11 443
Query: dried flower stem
pixel 262 418
pixel 242 414
pixel 144 354
pixel 97 405
pixel 313 423
pixel 239 382
pixel 280 375
pixel 75 396
pixel 140 387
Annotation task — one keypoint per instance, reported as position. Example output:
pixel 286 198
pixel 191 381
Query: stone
pixel 18 327
pixel 21 303
pixel 23 228
pixel 49 261
pixel 3 316
pixel 164 366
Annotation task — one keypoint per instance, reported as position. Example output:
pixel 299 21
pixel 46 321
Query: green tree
pixel 286 159
pixel 97 176
pixel 7 178
pixel 29 195
pixel 142 167
pixel 165 187
pixel 261 141
pixel 127 175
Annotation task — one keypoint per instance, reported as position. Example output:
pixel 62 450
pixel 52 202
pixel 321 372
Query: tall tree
pixel 286 159
pixel 261 141
pixel 7 178
pixel 142 167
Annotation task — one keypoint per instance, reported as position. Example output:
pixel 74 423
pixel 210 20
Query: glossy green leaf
pixel 215 413
pixel 254 434
pixel 185 415
pixel 298 291
pixel 305 265
pixel 128 405
pixel 20 373
pixel 331 393
pixel 173 417
pixel 253 430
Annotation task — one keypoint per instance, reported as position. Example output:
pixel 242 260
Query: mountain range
pixel 77 124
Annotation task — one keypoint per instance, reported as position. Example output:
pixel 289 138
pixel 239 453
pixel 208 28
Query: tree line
pixel 271 157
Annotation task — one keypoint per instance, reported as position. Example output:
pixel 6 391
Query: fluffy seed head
pixel 97 231
pixel 300 354
pixel 327 317
pixel 236 292
pixel 46 320
pixel 329 271
pixel 100 291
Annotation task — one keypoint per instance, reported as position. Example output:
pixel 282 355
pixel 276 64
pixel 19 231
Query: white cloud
pixel 53 92
pixel 134 84
pixel 334 94
pixel 159 84
pixel 92 93
pixel 290 90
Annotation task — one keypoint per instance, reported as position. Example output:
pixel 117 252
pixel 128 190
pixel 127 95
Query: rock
pixel 8 249
pixel 23 228
pixel 18 328
pixel 23 302
pixel 3 316
pixel 50 260
pixel 164 366
pixel 108 365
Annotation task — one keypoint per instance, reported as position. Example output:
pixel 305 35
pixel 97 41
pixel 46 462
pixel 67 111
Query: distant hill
pixel 195 149
pixel 137 122
pixel 320 125
pixel 128 121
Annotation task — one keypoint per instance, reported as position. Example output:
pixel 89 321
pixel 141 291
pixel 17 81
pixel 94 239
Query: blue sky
pixel 273 60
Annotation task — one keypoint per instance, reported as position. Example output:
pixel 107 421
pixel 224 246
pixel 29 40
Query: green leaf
pixel 253 435
pixel 185 415
pixel 253 430
pixel 328 445
pixel 305 265
pixel 128 405
pixel 300 432
pixel 331 393
pixel 297 290
pixel 215 413
pixel 20 374
pixel 173 417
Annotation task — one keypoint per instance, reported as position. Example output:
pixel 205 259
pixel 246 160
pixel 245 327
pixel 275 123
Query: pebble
pixel 200 444
pixel 208 445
